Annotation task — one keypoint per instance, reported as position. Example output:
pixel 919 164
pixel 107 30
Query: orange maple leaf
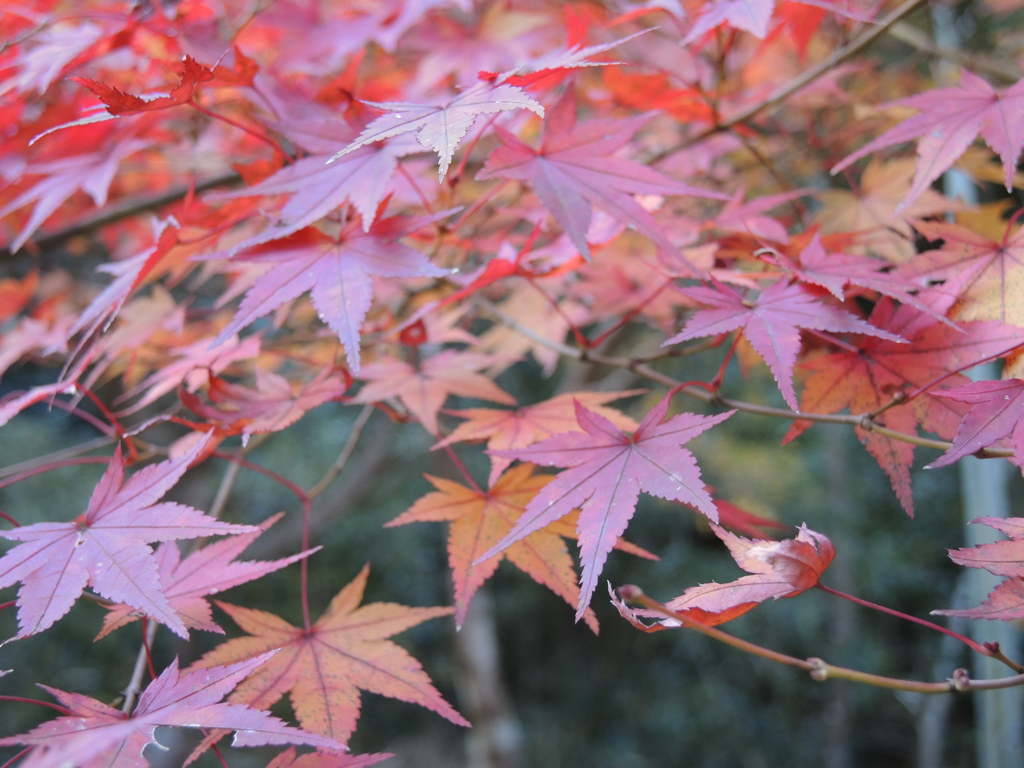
pixel 344 652
pixel 504 429
pixel 479 520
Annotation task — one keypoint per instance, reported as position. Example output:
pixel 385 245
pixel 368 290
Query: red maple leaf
pixel 866 380
pixel 997 408
pixel 1003 558
pixel 777 569
pixel 120 103
pixel 338 272
pixel 94 735
pixel 771 323
pixel 575 168
pixel 949 121
pixel 325 667
pixel 207 571
pixel 271 407
pixel 440 127
pixel 424 388
pixel 551 67
pixel 608 470
pixel 107 547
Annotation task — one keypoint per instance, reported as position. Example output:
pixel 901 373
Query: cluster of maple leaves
pixel 388 204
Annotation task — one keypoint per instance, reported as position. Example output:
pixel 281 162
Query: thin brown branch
pixel 120 210
pixel 345 455
pixel 801 81
pixel 1004 69
pixel 819 669
pixel 863 421
pixel 131 693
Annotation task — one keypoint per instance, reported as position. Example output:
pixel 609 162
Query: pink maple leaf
pixel 557 62
pixel 575 170
pixel 107 547
pixel 338 271
pixel 440 127
pixel 607 471
pixel 949 121
pixel 90 172
pixel 94 735
pixel 271 407
pixel 287 759
pixel 207 571
pixel 753 16
pixel 505 429
pixel 771 323
pixel 1003 558
pixel 195 364
pixel 318 187
pixel 996 412
pixel 424 388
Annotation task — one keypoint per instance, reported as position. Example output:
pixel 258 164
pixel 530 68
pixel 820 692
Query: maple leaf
pixel 771 324
pixel 574 170
pixel 479 519
pixel 777 569
pixel 129 274
pixel 287 759
pixel 989 274
pixel 271 407
pixel 1002 558
pixel 528 424
pixel 120 103
pixel 749 217
pixel 424 388
pixel 194 365
pixel 949 121
pixel 749 15
pixel 91 172
pixel 338 271
pixel 866 380
pixel 550 65
pixel 318 187
pixel 53 50
pixel 440 127
pixel 344 652
pixel 207 571
pixel 835 271
pixel 607 471
pixel 997 409
pixel 95 735
pixel 107 547
pixel 869 210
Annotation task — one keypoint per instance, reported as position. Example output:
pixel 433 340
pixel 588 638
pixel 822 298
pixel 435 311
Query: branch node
pixel 819 669
pixel 961 680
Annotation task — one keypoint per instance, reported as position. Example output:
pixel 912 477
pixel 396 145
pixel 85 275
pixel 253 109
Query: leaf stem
pixel 23 700
pixel 462 469
pixel 974 646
